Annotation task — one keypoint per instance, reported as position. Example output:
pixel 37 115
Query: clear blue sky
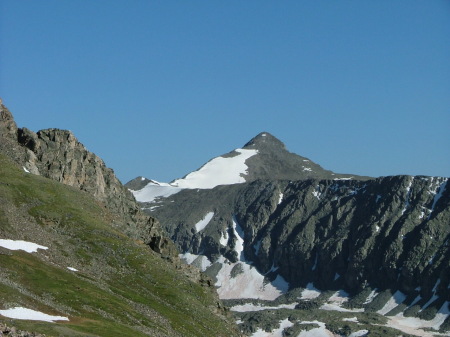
pixel 157 88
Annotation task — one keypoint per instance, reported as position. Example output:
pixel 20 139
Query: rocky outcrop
pixel 14 332
pixel 274 161
pixel 58 155
pixel 385 233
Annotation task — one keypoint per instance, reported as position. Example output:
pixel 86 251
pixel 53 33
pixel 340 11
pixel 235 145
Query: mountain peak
pixel 265 140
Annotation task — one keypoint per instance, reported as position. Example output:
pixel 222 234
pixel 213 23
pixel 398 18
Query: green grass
pixel 122 288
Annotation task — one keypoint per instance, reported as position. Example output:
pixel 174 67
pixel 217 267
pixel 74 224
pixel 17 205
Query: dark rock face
pixel 137 183
pixel 386 233
pixel 275 162
pixel 58 155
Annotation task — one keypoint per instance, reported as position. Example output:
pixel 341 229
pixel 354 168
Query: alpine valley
pixel 257 242
pixel 296 250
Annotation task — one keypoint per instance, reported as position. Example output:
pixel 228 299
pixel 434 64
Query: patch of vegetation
pixel 445 327
pixel 341 328
pixel 379 301
pixel 398 309
pixel 297 328
pixel 357 301
pixel 237 269
pixel 412 311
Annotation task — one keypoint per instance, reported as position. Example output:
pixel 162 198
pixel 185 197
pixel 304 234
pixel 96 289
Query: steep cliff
pixel 58 155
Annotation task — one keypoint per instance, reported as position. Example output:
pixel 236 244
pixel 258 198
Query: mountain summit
pixel 263 157
pixel 265 141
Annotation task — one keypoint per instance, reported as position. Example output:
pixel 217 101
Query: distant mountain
pixel 269 225
pixel 263 158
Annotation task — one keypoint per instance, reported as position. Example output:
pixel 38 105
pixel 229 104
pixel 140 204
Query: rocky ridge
pixel 58 155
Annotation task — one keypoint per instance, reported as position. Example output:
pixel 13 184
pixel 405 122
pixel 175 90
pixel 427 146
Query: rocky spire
pixel 265 141
pixel 8 127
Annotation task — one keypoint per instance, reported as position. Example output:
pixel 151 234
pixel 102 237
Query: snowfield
pixel 218 171
pixel 154 190
pixel 199 226
pixel 253 307
pixel 239 279
pixel 28 314
pixel 27 246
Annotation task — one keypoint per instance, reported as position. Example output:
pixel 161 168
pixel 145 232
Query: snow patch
pixel 248 284
pixel 154 190
pixel 239 244
pixel 359 333
pixel 317 194
pixel 224 238
pixel 438 195
pixel 394 301
pixel 337 307
pixel 310 292
pixel 188 257
pixel 199 226
pixel 284 324
pixel 280 198
pixel 352 319
pixel 315 262
pixel 200 261
pixel 27 246
pixel 25 169
pixel 414 326
pixel 321 331
pixel 339 296
pixel 72 269
pixel 249 307
pixel 408 194
pixel 336 300
pixel 218 171
pixel 371 296
pixel 29 314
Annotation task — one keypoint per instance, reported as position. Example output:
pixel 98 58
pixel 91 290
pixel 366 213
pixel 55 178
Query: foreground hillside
pixel 75 249
pixel 115 286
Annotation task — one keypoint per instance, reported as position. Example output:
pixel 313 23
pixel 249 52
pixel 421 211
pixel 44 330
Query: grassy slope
pixel 122 287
